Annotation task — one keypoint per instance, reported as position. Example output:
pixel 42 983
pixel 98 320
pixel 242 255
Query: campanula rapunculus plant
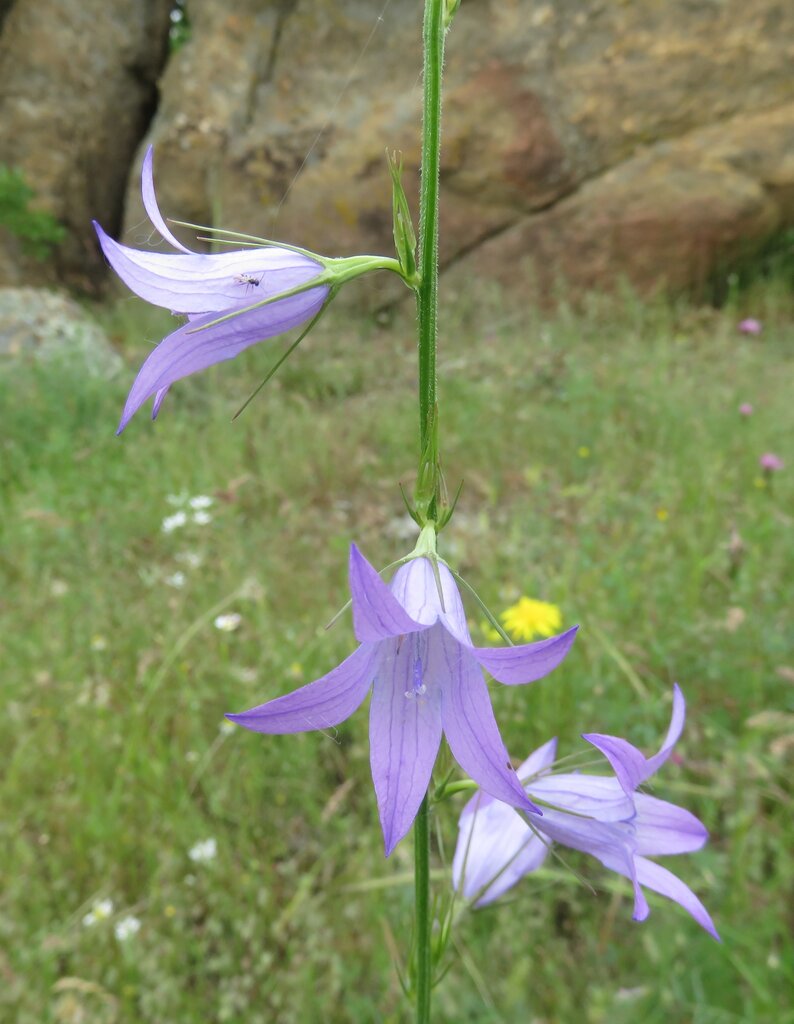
pixel 232 299
pixel 426 676
pixel 601 815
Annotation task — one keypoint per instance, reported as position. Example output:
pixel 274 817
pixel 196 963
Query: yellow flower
pixel 662 515
pixel 528 618
pixel 584 452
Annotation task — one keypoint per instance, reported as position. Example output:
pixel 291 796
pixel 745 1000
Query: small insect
pixel 248 280
pixel 509 767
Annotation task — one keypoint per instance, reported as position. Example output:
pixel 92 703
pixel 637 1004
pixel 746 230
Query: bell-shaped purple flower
pixel 416 654
pixel 601 815
pixel 205 287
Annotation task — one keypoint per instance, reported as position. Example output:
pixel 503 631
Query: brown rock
pixel 77 89
pixel 671 216
pixel 596 138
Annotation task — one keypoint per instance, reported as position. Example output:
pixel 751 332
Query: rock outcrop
pixel 78 88
pixel 45 326
pixel 587 138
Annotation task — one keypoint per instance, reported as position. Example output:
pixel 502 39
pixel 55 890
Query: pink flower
pixel 770 462
pixel 750 326
pixel 746 409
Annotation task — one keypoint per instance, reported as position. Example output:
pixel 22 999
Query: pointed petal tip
pixel 533 808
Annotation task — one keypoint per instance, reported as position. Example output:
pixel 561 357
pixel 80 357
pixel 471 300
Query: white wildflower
pixel 201 518
pixel 126 927
pixel 192 559
pixel 201 501
pixel 226 728
pixel 204 851
pixel 100 911
pixel 229 622
pixel 171 523
pixel 177 580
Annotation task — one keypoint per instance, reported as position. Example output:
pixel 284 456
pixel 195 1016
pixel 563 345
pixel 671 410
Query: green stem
pixel 427 310
pixel 424 967
pixel 427 296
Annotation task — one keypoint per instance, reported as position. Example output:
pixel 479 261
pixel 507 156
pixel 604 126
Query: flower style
pixel 204 287
pixel 417 655
pixel 600 815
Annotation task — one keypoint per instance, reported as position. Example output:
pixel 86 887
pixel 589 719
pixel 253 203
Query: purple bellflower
pixel 600 815
pixel 417 656
pixel 203 287
pixel 232 299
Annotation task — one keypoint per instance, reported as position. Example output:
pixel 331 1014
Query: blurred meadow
pixel 607 470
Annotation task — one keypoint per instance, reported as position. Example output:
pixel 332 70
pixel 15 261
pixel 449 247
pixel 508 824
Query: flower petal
pixel 150 202
pixel 526 662
pixel 405 734
pixel 207 282
pixel 660 880
pixel 663 828
pixel 187 350
pixel 158 400
pixel 630 764
pixel 416 588
pixel 495 849
pixel 595 796
pixel 469 723
pixel 319 705
pixel 377 613
pixel 538 761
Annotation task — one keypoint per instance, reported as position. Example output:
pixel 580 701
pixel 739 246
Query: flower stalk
pixel 427 313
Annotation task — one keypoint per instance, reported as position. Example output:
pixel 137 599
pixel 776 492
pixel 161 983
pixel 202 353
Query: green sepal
pixel 446 510
pixel 403 228
pixel 409 506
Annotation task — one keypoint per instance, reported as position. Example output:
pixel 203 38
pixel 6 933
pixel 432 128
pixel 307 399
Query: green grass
pixel 115 683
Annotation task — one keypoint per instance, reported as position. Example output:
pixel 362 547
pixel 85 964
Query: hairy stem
pixel 427 309
pixel 424 966
pixel 427 297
